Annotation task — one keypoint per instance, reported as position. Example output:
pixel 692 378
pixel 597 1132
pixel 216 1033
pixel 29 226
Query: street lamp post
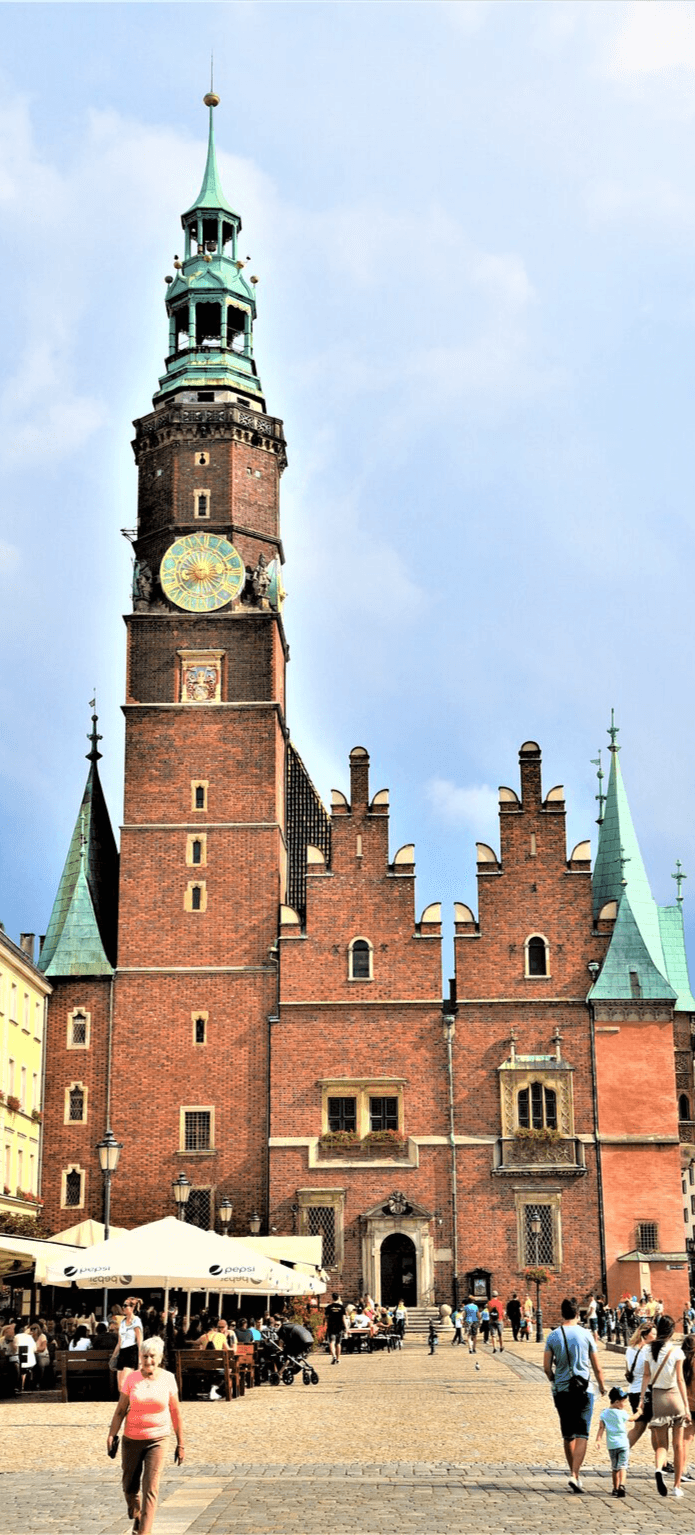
pixel 536 1231
pixel 181 1188
pixel 109 1151
pixel 224 1211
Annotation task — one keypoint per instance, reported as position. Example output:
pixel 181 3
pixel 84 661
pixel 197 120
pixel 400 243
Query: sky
pixel 474 229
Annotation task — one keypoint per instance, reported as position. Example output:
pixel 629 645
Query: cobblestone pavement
pixel 383 1445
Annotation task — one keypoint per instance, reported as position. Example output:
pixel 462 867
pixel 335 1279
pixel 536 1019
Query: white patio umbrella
pixel 171 1253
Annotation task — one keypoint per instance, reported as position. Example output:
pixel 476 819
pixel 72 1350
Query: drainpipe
pixel 599 1170
pixel 273 1017
pixel 449 1012
pixel 109 1048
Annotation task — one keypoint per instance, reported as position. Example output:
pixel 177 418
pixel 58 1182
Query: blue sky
pixel 474 226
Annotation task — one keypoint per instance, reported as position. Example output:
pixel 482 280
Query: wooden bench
pixel 208 1361
pixel 91 1365
pixel 249 1362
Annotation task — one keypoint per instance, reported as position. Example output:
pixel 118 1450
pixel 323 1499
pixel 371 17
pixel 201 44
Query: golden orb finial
pixel 211 100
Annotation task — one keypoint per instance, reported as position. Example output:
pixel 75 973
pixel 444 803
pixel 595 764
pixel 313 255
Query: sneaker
pixel 621 1493
pixel 677 1492
pixel 614 1492
pixel 688 1476
pixel 660 1484
pixel 669 1467
pixel 574 1484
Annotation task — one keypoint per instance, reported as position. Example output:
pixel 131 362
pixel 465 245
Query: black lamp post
pixel 536 1230
pixel 181 1188
pixel 254 1224
pixel 224 1211
pixel 109 1150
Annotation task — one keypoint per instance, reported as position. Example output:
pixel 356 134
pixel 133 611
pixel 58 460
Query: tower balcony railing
pixel 556 1155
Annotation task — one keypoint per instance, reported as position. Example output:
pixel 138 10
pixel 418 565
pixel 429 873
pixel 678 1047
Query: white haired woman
pixel 149 1403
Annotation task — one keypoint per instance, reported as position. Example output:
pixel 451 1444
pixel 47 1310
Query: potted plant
pixel 37 1116
pixel 339 1140
pixel 384 1141
pixel 13 1103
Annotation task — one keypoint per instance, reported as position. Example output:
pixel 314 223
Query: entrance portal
pixel 398 1270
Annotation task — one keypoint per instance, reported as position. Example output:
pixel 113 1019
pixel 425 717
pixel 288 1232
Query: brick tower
pixel 184 1052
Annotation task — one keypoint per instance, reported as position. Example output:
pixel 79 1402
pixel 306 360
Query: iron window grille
pixel 197 1128
pixel 540 1249
pixel 76 1105
pixel 73 1188
pixel 320 1221
pixel 647 1236
pixel 198 1208
pixel 79 1029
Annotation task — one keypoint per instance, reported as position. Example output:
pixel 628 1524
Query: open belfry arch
pixel 248 993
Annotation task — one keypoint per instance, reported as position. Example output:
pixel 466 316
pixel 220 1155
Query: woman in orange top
pixel 149 1401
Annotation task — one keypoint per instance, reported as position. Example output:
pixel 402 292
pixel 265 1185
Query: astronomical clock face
pixel 202 572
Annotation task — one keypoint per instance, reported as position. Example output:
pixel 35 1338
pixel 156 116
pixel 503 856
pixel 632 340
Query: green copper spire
pixel 211 306
pixel 619 865
pixel 211 194
pixel 81 935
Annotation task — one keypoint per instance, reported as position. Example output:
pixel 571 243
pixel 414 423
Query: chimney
pixel 359 778
pixel 530 765
pixel 26 944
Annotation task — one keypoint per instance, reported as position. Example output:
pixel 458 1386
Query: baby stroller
pixel 286 1358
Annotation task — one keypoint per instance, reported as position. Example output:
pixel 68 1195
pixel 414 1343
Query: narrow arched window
pixel 360 960
pixel 195 898
pixel 536 956
pixel 76 1103
pixel 196 851
pixel 684 1106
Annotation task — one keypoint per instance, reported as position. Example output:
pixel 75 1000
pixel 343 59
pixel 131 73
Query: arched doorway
pixel 398 1270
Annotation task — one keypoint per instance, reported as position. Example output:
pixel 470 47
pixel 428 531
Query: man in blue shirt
pixel 570 1355
pixel 472 1316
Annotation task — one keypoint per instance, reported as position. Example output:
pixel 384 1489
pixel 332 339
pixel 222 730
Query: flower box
pixel 13 1103
pixel 37 1116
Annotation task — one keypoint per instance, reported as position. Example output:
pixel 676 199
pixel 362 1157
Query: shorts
pixel 620 1459
pixel 496 1327
pixel 128 1358
pixel 574 1414
pixel 473 1329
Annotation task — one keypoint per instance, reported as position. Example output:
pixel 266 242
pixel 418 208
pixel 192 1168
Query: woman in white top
pixel 80 1341
pixel 130 1336
pixel 636 1355
pixel 663 1370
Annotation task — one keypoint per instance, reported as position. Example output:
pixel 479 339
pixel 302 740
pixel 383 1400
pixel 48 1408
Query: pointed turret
pixel 211 306
pixel 646 956
pixel 81 935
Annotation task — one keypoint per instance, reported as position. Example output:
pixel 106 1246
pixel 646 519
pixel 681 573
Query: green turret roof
pixel 211 194
pixel 81 935
pixel 646 956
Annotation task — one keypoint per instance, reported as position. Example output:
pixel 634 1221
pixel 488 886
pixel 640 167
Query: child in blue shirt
pixel 613 1424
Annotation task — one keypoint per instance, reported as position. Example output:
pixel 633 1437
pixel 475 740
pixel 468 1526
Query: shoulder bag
pixel 577 1386
pixel 630 1374
pixel 647 1412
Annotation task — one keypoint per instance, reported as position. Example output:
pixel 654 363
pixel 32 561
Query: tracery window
pixel 537 1107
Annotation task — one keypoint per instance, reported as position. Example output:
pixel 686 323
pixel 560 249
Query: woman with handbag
pixel 664 1402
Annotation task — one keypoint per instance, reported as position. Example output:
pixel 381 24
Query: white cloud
pixel 475 806
pixel 9 555
pixel 656 36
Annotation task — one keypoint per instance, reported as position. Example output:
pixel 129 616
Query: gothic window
pixel 199 1208
pixel 321 1213
pixel 536 955
pixel 202 503
pixel 199 794
pixel 197 1130
pixel 537 1107
pixel 647 1236
pixel 72 1188
pixel 539 1248
pixel 360 960
pixel 195 898
pixel 342 1114
pixel 199 1025
pixel 78 1029
pixel 76 1104
pixel 684 1106
pixel 383 1113
pixel 196 849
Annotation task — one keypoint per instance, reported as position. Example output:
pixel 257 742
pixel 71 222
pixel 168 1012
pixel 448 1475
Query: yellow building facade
pixel 23 994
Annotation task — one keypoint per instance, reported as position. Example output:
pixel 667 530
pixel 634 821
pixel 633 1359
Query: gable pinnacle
pixel 679 876
pixel 93 754
pixel 613 731
pixel 596 762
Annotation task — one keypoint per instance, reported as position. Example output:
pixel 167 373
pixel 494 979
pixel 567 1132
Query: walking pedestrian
pixel 149 1402
pixel 457 1324
pixel 513 1309
pixel 570 1355
pixel 126 1355
pixel 635 1360
pixel 495 1311
pixel 432 1338
pixel 670 1409
pixel 335 1326
pixel 613 1424
pixel 485 1322
pixel 472 1318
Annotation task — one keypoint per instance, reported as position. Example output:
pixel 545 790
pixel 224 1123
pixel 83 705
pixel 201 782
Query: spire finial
pixel 83 837
pixel 679 876
pixel 93 754
pixel 211 100
pixel 596 762
pixel 623 860
pixel 613 731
